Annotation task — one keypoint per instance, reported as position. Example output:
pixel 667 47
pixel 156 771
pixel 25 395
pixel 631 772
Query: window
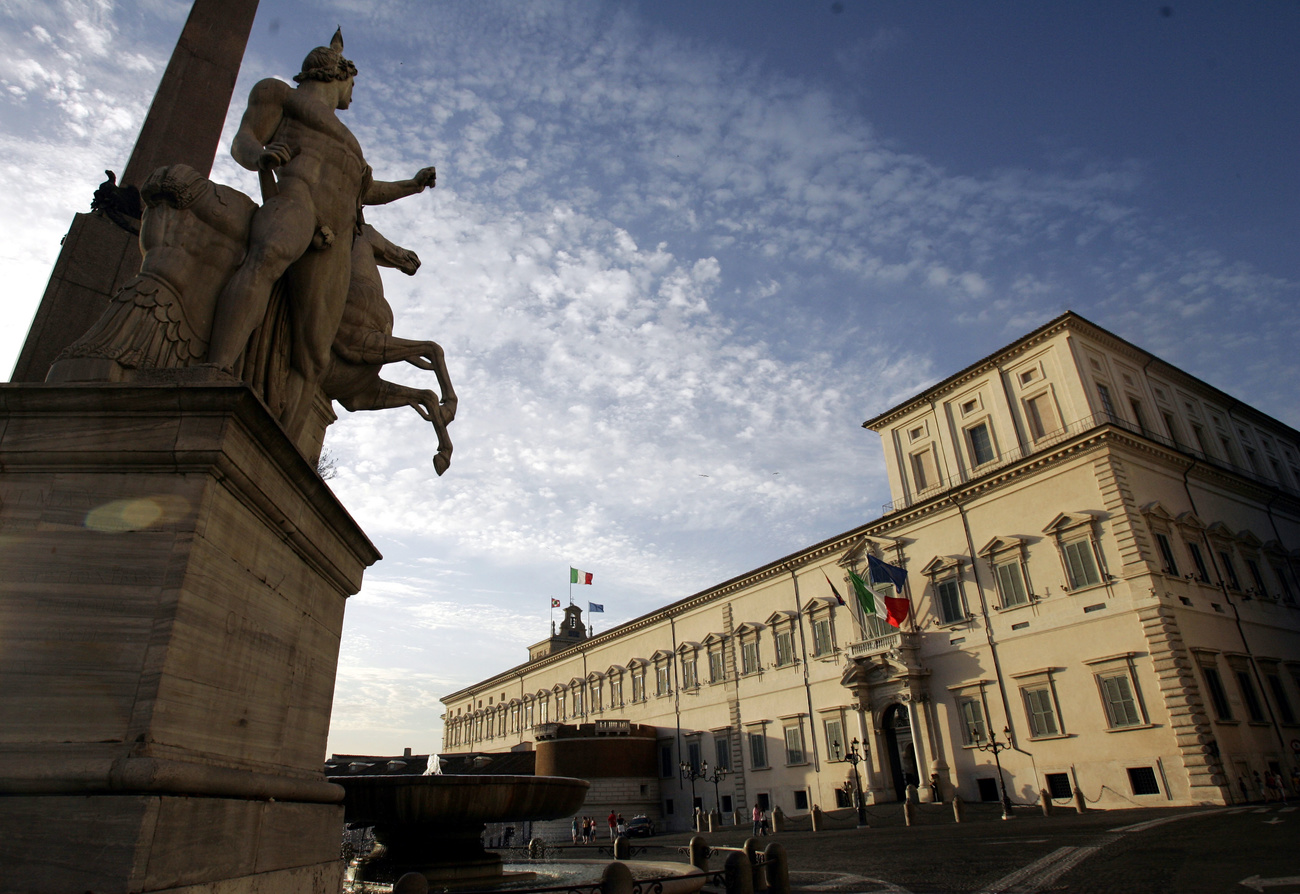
pixel 717 670
pixel 1041 416
pixel 749 656
pixel 801 799
pixel 559 705
pixel 1143 781
pixel 1218 695
pixel 722 750
pixel 638 684
pixel 1173 428
pixel 1202 573
pixel 1107 406
pixel 616 691
pixel 1166 554
pixel 690 673
pixel 1256 577
pixel 666 760
pixel 1280 699
pixel 835 746
pixel 784 647
pixel 1080 564
pixel 757 749
pixel 693 755
pixel 794 744
pixel 1058 785
pixel 1199 434
pixel 822 642
pixel 925 473
pixel 1040 707
pixel 1228 452
pixel 974 730
pixel 1117 696
pixel 981 444
pixel 947 597
pixel 1283 584
pixel 1229 569
pixel 1138 416
pixel 663 678
pixel 1248 694
pixel 1010 575
pixel 597 691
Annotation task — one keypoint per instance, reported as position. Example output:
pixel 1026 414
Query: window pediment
pixel 819 604
pixel 635 663
pixel 1155 509
pixel 942 565
pixel 688 647
pixel 595 677
pixel 781 617
pixel 661 655
pixel 715 639
pixel 614 670
pixel 1066 521
pixel 1003 544
pixel 1190 519
pixel 1247 538
pixel 750 628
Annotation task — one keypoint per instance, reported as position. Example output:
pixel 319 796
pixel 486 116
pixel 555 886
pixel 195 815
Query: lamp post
pixel 718 774
pixel 854 757
pixel 692 772
pixel 994 747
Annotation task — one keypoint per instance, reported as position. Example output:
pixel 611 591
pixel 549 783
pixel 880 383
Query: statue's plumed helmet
pixel 327 63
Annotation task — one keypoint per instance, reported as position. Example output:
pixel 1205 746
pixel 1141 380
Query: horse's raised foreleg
pixel 382 395
pixel 381 348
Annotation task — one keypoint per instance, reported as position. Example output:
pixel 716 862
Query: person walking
pixel 575 830
pixel 758 820
pixel 622 826
pixel 613 825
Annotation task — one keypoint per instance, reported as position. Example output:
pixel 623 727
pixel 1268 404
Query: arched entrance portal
pixel 902 753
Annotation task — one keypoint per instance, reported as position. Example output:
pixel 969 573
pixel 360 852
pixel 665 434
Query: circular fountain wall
pixel 434 824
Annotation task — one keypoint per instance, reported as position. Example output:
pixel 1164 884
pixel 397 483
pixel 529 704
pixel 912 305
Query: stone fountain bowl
pixel 454 802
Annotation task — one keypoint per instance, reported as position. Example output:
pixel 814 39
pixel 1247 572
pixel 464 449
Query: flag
pixel 896 606
pixel 555 603
pixel 593 607
pixel 838 597
pixel 870 602
pixel 579 577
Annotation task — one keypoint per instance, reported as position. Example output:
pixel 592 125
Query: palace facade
pixel 1102 559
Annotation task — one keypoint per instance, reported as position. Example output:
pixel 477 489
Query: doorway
pixel 902 753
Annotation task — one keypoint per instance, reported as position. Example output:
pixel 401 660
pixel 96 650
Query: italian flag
pixel 579 577
pixel 892 610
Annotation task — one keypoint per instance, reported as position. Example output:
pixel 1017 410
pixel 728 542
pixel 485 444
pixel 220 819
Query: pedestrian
pixel 613 825
pixel 1274 781
pixel 1245 792
pixel 758 820
pixel 575 828
pixel 591 830
pixel 763 823
pixel 1267 787
pixel 1259 783
pixel 622 826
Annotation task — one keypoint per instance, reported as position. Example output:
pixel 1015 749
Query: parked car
pixel 640 827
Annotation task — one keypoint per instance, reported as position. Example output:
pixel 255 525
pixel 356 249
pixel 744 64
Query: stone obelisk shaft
pixel 183 126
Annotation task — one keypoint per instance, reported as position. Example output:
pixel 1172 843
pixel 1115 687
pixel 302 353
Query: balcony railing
pixel 880 644
pixel 1077 427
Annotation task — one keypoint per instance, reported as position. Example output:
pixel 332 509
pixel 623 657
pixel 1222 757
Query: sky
pixel 680 250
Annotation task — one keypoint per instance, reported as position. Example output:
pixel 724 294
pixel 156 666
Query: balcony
pixel 881 644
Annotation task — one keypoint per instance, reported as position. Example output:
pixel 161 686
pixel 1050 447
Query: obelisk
pixel 183 125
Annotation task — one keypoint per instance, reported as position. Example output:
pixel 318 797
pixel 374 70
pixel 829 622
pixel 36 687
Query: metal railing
pixel 1079 426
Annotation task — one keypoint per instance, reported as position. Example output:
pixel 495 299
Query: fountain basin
pixel 434 824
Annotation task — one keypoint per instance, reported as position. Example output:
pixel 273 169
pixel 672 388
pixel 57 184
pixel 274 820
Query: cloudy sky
pixel 679 250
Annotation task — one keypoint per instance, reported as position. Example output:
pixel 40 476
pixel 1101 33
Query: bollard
pixel 737 818
pixel 909 813
pixel 739 875
pixel 412 883
pixel 957 809
pixel 817 820
pixel 757 879
pixel 1079 803
pixel 778 869
pixel 1047 802
pixel 616 879
pixel 911 793
pixel 700 853
pixel 778 820
pixel 536 848
pixel 715 820
pixel 622 848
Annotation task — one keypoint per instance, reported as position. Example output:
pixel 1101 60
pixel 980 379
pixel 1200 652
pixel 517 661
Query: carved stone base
pixel 175 575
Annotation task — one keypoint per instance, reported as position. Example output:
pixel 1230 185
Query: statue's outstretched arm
pixel 251 146
pixel 382 192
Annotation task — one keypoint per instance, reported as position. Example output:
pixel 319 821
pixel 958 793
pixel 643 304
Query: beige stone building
pixel 1102 569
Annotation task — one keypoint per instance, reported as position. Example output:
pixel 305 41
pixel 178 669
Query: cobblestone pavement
pixel 1143 850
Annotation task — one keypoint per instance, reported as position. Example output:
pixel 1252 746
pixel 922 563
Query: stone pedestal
pixel 171 603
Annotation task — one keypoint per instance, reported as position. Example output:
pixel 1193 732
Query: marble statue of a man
pixel 314 181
